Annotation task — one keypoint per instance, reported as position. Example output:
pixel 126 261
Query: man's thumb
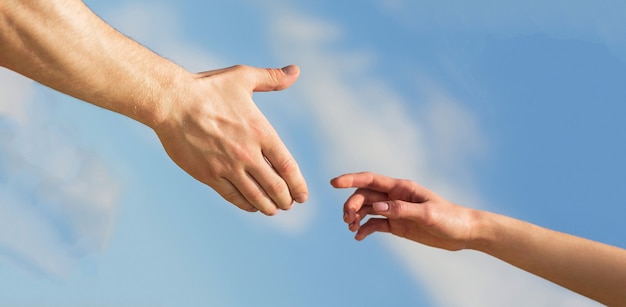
pixel 274 79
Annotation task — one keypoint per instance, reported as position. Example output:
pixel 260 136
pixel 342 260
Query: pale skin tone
pixel 207 122
pixel 408 210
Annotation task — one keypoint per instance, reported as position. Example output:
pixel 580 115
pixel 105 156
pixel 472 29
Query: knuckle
pixel 399 208
pixel 219 175
pixel 237 155
pixel 240 67
pixel 429 215
pixel 287 166
pixel 277 188
pixel 256 196
pixel 262 129
pixel 368 175
pixel 273 76
pixel 243 72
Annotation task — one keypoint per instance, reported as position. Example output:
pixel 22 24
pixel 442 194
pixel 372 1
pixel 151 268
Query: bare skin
pixel 207 122
pixel 408 210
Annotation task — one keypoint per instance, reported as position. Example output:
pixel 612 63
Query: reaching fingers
pixel 366 180
pixel 396 188
pixel 357 200
pixel 362 180
pixel 371 226
pixel 360 216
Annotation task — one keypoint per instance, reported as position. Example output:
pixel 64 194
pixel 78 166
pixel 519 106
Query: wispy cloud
pixel 368 126
pixel 57 201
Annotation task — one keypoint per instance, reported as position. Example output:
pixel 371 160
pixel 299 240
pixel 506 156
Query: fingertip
pixel 359 236
pixel 286 208
pixel 301 198
pixel 332 182
pixel 349 214
pixel 338 182
pixel 270 212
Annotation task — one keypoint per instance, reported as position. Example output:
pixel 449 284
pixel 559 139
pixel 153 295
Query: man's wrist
pixel 156 101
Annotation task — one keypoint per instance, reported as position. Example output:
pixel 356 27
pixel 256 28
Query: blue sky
pixel 511 107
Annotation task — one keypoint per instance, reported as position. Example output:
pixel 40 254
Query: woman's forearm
pixel 64 45
pixel 590 268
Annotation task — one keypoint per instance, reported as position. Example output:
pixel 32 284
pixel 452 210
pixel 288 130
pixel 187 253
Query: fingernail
pixel 380 206
pixel 290 70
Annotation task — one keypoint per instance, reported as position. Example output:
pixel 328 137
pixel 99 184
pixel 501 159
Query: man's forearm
pixel 590 268
pixel 63 45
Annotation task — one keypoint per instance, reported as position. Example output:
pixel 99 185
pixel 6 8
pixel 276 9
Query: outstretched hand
pixel 408 210
pixel 216 133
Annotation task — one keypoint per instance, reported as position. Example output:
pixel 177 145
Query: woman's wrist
pixel 485 230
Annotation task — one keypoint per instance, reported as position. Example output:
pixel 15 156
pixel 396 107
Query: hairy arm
pixel 408 210
pixel 64 45
pixel 207 122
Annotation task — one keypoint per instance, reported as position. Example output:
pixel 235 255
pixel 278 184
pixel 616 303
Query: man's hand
pixel 207 122
pixel 215 132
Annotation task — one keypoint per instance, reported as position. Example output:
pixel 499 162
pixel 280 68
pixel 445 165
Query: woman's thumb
pixel 395 208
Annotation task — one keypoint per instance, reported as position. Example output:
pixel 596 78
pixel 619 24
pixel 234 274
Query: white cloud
pixel 18 89
pixel 57 202
pixel 293 222
pixel 369 127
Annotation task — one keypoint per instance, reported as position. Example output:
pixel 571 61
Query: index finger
pixel 395 188
pixel 365 180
